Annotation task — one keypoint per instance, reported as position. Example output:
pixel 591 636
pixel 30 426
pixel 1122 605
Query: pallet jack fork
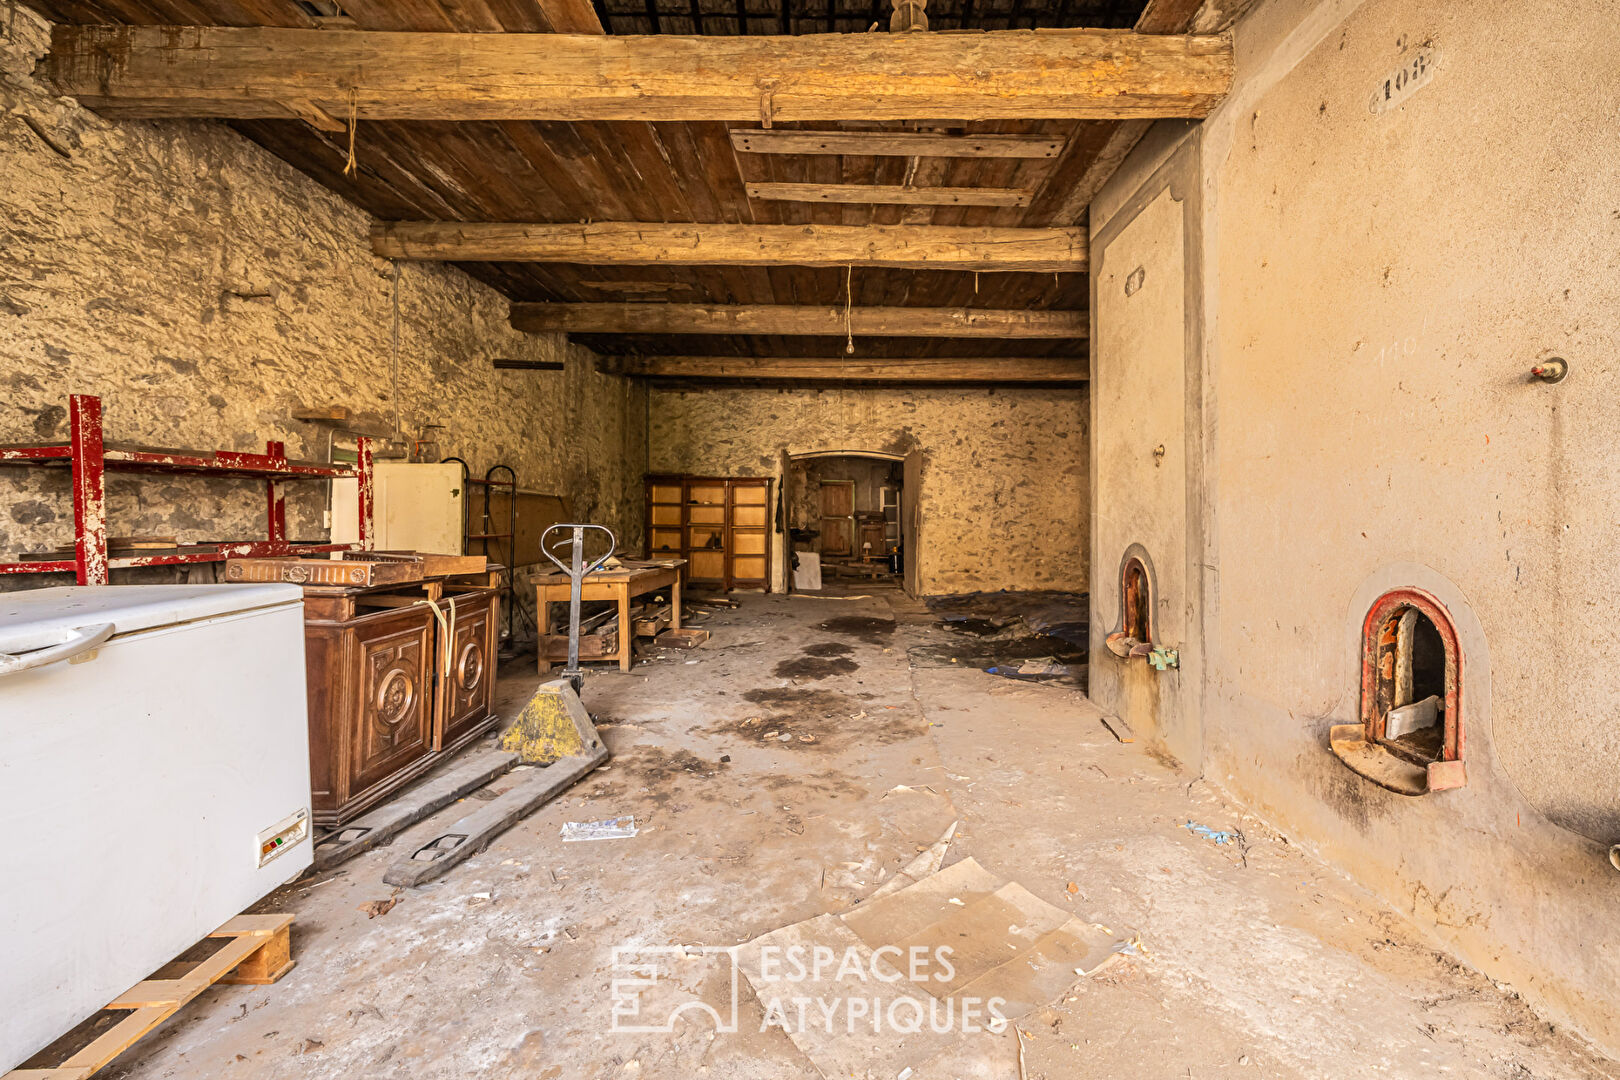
pixel 553 737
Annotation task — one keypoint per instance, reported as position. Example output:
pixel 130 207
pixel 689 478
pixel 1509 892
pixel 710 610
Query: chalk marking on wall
pixel 1399 85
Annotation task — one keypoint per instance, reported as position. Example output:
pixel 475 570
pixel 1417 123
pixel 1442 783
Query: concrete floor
pixel 1261 961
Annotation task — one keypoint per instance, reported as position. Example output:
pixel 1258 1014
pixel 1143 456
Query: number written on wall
pixel 1413 75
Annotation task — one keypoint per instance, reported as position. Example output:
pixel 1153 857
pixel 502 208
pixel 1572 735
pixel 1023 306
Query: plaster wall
pixel 1003 485
pixel 206 291
pixel 1376 286
pixel 1139 286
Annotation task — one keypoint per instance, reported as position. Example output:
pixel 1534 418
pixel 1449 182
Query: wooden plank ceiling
pixel 686 172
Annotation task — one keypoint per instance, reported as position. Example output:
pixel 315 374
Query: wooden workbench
pixel 620 584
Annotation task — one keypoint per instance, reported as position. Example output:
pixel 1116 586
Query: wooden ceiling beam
pixel 894 144
pixel 249 73
pixel 787 320
pixel 1167 16
pixel 993 370
pixel 889 194
pixel 635 243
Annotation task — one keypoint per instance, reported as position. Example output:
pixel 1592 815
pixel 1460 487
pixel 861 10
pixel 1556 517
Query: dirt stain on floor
pixel 870 630
pixel 828 648
pixel 832 720
pixel 815 667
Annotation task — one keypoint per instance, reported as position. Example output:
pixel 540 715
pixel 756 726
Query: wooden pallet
pixel 259 951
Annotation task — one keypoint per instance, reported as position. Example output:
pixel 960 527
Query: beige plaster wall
pixel 206 291
pixel 1375 290
pixel 1004 479
pixel 1139 286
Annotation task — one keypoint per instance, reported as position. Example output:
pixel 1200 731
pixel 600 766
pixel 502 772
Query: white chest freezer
pixel 154 782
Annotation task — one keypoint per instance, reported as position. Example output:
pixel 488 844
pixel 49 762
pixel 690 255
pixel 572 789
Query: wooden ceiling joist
pixel 788 320
pixel 889 194
pixel 250 73
pixel 995 370
pixel 632 243
pixel 894 144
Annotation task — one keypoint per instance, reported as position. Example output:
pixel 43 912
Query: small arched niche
pixel 1133 635
pixel 1410 738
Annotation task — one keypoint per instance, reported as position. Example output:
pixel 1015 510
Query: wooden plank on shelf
pixel 894 144
pixel 889 194
pixel 987 370
pixel 249 73
pixel 788 319
pixel 630 243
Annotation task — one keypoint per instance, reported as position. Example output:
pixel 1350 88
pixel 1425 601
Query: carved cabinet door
pixel 468 692
pixel 394 713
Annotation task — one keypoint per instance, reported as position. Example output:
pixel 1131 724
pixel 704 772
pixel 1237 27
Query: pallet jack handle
pixel 577 570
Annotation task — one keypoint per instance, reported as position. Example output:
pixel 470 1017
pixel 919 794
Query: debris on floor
pixel 912 973
pixel 1219 836
pixel 374 908
pixel 618 828
pixel 1036 666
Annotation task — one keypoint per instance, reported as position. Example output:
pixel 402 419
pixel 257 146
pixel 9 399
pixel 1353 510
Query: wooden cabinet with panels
pixel 393 688
pixel 720 525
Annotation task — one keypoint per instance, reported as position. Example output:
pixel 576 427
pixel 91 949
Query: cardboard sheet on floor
pixel 1005 943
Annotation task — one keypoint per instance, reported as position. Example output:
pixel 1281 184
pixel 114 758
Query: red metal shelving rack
pixel 91 457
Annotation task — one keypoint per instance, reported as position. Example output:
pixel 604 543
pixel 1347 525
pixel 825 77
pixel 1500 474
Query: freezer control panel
pixel 283 835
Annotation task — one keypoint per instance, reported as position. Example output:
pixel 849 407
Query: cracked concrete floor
pixel 1261 961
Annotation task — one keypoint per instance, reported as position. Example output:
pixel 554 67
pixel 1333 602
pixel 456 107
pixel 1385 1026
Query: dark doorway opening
pixel 844 513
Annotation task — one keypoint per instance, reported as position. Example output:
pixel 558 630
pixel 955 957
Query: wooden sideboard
pixel 393 687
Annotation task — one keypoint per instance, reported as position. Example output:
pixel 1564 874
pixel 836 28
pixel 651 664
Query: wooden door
pixel 837 517
pixel 749 540
pixel 706 519
pixel 392 707
pixel 666 517
pixel 467 693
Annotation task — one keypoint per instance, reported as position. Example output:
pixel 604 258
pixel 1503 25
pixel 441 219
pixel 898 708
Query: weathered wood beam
pixel 889 194
pixel 787 320
pixel 1167 16
pixel 894 144
pixel 633 243
pixel 1121 141
pixel 253 72
pixel 985 370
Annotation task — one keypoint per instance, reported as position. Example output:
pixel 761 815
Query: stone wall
pixel 206 291
pixel 1003 491
pixel 1370 282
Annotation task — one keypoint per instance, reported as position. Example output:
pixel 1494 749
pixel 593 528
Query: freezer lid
pixel 129 608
